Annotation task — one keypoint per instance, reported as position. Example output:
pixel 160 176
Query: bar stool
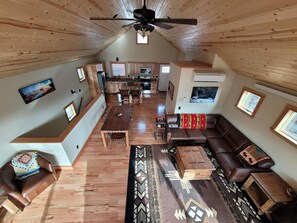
pixel 125 96
pixel 135 96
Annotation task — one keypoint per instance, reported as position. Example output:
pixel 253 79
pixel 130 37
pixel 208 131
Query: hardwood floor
pixel 95 190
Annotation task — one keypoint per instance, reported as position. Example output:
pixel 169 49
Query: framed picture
pixel 37 90
pixel 203 94
pixel 249 101
pixel 170 90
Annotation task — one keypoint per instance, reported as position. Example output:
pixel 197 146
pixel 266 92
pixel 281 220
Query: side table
pixel 7 209
pixel 160 128
pixel 266 190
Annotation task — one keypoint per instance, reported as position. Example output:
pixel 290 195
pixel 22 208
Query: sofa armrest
pixel 167 134
pixel 47 165
pixel 240 174
pixel 7 184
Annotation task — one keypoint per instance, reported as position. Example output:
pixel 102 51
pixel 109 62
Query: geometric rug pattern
pixel 233 194
pixel 145 210
pixel 146 176
pixel 238 203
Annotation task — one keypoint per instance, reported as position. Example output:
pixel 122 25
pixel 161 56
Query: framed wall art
pixel 37 90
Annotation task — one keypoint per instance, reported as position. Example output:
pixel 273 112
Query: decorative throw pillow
pixel 25 164
pixel 202 121
pixel 253 154
pixel 192 121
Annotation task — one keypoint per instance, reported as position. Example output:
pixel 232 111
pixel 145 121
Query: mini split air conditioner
pixel 209 76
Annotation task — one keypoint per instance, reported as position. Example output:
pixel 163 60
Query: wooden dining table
pixel 118 120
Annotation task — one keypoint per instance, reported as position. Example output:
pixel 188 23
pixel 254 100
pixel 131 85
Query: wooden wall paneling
pixel 91 75
pixel 259 37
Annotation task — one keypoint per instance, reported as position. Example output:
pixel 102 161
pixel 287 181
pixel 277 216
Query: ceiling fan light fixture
pixel 144 30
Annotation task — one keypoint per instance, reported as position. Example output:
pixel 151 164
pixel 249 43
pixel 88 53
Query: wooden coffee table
pixel 117 121
pixel 193 163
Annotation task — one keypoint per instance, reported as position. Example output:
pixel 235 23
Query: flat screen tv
pixel 37 90
pixel 203 94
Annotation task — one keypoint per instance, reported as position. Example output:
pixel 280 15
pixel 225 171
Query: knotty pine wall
pixel 255 38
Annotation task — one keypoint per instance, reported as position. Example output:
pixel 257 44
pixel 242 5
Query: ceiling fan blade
pixel 177 21
pixel 97 18
pixel 162 25
pixel 130 24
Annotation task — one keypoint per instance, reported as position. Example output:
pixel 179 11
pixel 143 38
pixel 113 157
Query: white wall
pixel 126 49
pixel 201 56
pixel 183 83
pixel 17 118
pixel 258 128
pixel 174 78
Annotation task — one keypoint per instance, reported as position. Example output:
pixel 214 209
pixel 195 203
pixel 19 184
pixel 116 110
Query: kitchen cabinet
pixel 154 87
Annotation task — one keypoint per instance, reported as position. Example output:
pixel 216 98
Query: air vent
pixel 209 76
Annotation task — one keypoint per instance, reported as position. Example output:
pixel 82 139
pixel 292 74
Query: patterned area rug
pixel 157 194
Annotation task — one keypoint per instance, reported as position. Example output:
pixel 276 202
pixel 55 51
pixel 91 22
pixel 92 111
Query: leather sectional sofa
pixel 223 139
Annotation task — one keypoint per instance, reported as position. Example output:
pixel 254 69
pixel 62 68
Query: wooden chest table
pixel 193 163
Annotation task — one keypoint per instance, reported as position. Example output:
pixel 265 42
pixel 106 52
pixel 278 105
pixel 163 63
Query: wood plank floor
pixel 95 190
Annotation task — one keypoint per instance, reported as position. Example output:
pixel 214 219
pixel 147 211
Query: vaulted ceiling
pixel 256 38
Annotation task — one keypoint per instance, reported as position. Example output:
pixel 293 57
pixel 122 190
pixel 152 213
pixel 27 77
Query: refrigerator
pixel 102 81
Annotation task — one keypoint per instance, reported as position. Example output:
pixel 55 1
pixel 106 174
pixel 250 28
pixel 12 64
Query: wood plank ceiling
pixel 255 38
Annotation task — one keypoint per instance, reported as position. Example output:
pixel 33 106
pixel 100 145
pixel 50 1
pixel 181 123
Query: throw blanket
pixel 25 164
pixel 192 121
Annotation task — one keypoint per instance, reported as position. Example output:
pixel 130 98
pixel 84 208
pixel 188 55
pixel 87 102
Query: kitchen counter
pixel 127 79
pixel 115 84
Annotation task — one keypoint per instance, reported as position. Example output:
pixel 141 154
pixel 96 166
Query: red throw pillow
pixel 192 121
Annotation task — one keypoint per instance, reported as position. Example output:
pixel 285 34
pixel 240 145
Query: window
pixel 70 111
pixel 81 74
pixel 165 69
pixel 250 101
pixel 286 125
pixel 141 40
pixel 118 69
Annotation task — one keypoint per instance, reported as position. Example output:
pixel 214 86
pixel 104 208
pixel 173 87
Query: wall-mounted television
pixel 37 90
pixel 203 94
pixel 145 70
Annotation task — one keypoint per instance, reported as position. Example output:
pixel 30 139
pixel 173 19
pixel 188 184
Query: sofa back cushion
pixel 223 126
pixel 236 140
pixel 211 120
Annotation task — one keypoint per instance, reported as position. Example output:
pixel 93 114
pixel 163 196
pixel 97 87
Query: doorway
pixel 164 77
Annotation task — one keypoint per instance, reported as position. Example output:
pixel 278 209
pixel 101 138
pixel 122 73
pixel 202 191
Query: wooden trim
pixel 81 67
pixel 262 96
pixel 279 119
pixel 142 62
pixel 60 168
pixel 63 135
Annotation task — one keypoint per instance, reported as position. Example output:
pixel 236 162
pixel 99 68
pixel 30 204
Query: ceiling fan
pixel 144 21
